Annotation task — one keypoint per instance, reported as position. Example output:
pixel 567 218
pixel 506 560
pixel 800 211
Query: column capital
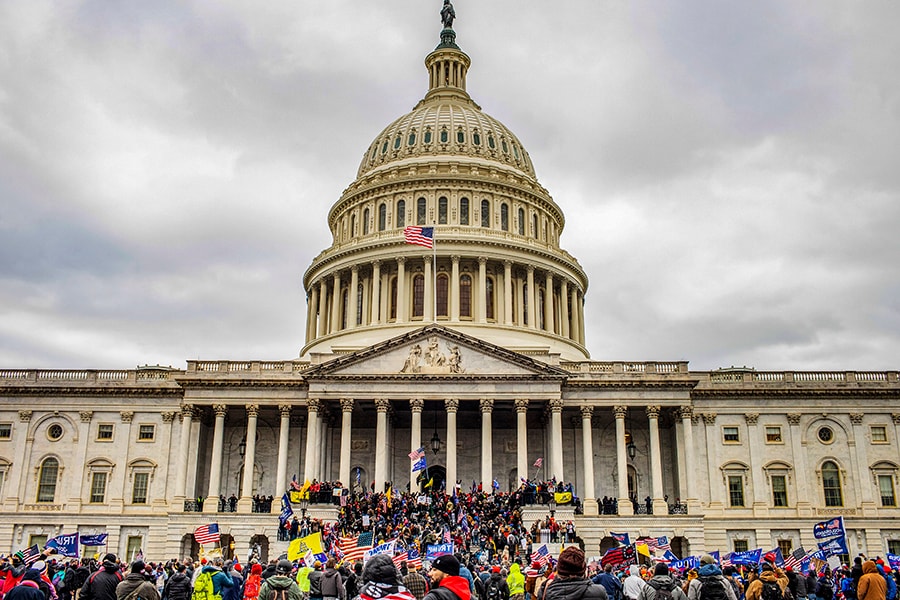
pixel 187 410
pixel 521 405
pixel 709 418
pixel 416 405
pixel 793 418
pixel 685 412
pixel 220 409
pixel 587 412
pixel 895 417
pixel 127 416
pixel 382 404
pixel 451 405
pixel 482 260
pixel 86 416
pixel 620 411
pixel 168 416
pixel 25 415
pixel 529 268
pixel 252 410
pixel 555 405
pixel 856 418
pixel 196 413
pixel 751 418
pixel 507 264
pixel 454 258
pixel 354 269
pixel 347 404
pixel 285 410
pixel 376 264
pixel 652 411
pixel 313 404
pixel 401 260
pixel 486 404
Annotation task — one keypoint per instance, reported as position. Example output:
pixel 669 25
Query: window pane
pixel 504 217
pixel 146 432
pixel 773 435
pixel 886 487
pixel 534 227
pixel 779 490
pixel 485 213
pixel 345 300
pixel 420 211
pixel 418 296
pixel 525 304
pixel 104 432
pixel 393 299
pixel 139 491
pixel 382 217
pixel 365 225
pixel 831 484
pixel 879 434
pixel 98 488
pixel 489 298
pixel 442 286
pixel 736 490
pixel 5 431
pixel 47 480
pixel 401 214
pixel 463 211
pixel 521 221
pixel 786 547
pixel 741 545
pixel 359 304
pixel 442 211
pixel 731 434
pixel 465 296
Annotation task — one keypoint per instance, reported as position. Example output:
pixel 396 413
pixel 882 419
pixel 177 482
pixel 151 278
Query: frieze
pixel 359 444
pixel 433 361
pixel 43 507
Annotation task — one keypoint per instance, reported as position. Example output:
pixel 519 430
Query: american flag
pixel 659 543
pixel 417 454
pixel 541 555
pixel 30 555
pixel 354 548
pixel 538 463
pixel 421 236
pixel 413 558
pixel 207 534
pixel 446 538
pixel 726 560
pixel 399 558
pixel 295 485
pixel 794 559
pixel 623 555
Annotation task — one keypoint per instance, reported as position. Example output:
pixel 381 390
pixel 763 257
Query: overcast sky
pixel 730 171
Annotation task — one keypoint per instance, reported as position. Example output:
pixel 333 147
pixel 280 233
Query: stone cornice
pixel 576 384
pixel 42 391
pixel 205 382
pixel 825 392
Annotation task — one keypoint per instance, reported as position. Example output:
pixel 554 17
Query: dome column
pixel 335 304
pixel 354 299
pixel 624 502
pixel 323 304
pixel 532 313
pixel 507 292
pixel 564 307
pixel 575 315
pixel 482 289
pixel 376 292
pixel 548 303
pixel 311 320
pixel 581 318
pixel 401 290
pixel 454 288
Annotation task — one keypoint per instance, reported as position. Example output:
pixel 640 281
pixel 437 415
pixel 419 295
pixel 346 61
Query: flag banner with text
pixel 64 545
pixel 750 557
pixel 829 529
pixel 96 539
pixel 432 551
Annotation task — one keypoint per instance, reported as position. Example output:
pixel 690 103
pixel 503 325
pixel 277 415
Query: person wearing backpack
pixel 280 586
pixel 891 593
pixel 515 582
pixel 872 585
pixel 769 586
pixel 709 576
pixel 332 586
pixel 178 587
pixel 661 586
pixel 135 586
pixel 570 582
pixel 101 585
pixel 496 587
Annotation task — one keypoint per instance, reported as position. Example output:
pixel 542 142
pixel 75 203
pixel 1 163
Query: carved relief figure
pixel 455 360
pixel 447 14
pixel 434 357
pixel 412 361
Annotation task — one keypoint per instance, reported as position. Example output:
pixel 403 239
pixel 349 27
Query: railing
pixel 643 509
pixel 193 506
pixel 678 508
pixel 741 375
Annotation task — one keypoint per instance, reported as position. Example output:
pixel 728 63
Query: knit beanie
pixel 571 562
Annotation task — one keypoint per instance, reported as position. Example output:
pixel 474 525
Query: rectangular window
pixel 740 545
pixel 139 491
pixel 773 434
pixel 779 491
pixel 731 435
pixel 98 488
pixel 134 547
pixel 893 546
pixel 146 433
pixel 879 434
pixel 5 431
pixel 736 490
pixel 786 547
pixel 463 211
pixel 39 540
pixel 886 487
pixel 104 432
pixel 2 478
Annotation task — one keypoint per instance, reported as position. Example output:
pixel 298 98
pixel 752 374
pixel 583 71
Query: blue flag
pixel 750 557
pixel 286 511
pixel 834 547
pixel 64 545
pixel 432 551
pixel 622 538
pixel 669 556
pixel 97 539
pixel 829 529
pixel 419 465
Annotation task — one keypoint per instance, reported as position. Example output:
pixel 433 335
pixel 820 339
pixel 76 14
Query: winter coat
pixel 754 590
pixel 705 572
pixel 315 584
pixel 515 580
pixel 331 585
pixel 276 583
pixel 633 584
pixel 178 587
pixel 872 585
pixel 102 584
pixel 575 588
pixel 455 585
pixel 134 581
pixel 661 582
pixel 25 590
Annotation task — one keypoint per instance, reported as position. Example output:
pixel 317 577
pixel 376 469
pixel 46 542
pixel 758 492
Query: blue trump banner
pixel 432 551
pixel 750 557
pixel 96 539
pixel 834 547
pixel 829 529
pixel 64 545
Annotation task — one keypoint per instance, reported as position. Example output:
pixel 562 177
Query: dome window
pixel 442 210
pixel 401 213
pixel 384 147
pixel 397 142
pixel 412 138
pixel 505 148
pixel 516 151
pixel 460 137
pixel 476 139
pixel 428 136
pixel 444 136
pixel 374 151
pixel 521 221
pixel 463 211
pixel 504 217
pixel 491 143
pixel 420 211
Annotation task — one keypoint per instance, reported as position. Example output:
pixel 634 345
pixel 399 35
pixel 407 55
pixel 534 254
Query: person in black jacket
pixel 570 582
pixel 102 584
pixel 178 587
pixel 29 588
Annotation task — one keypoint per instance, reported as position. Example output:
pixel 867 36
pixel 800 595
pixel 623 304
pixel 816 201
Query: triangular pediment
pixel 435 351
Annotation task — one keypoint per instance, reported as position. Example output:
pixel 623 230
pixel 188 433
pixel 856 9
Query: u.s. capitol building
pixel 475 348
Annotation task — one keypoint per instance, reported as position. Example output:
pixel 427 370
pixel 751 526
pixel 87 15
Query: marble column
pixel 576 314
pixel 564 307
pixel 312 319
pixel 377 315
pixel 284 433
pixel 625 506
pixel 580 312
pixel 451 405
pixel 522 441
pixel 859 455
pixel 556 406
pixel 416 406
pixel 215 469
pixel 245 503
pixel 507 293
pixel 548 302
pixel 346 417
pixel 183 444
pixel 335 303
pixel 658 496
pixel 312 431
pixel 757 479
pixel 690 459
pixel 381 405
pixel 401 295
pixel 532 311
pixel 428 298
pixel 714 476
pixel 487 450
pixel 587 447
pixel 323 306
pixel 454 288
pixel 354 296
pixel 481 298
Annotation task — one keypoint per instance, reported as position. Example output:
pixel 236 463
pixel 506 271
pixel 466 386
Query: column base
pixel 660 506
pixel 591 507
pixel 211 505
pixel 245 505
pixel 694 506
pixel 625 507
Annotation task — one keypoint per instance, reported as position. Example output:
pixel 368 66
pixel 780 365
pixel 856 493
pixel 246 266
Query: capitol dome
pixel 496 271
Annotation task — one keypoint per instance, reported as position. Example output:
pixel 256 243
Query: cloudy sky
pixel 730 171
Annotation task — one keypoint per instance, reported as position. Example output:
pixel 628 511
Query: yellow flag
pixel 295 497
pixel 643 549
pixel 301 546
pixel 430 483
pixel 304 491
pixel 294 552
pixel 562 497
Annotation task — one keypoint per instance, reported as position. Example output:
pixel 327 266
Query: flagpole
pixel 434 274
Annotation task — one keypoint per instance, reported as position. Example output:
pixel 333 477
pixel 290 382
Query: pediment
pixel 435 351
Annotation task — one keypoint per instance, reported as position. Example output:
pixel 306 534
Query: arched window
pixel 418 296
pixel 489 297
pixel 47 480
pixel 465 296
pixel 420 211
pixel 365 224
pixel 831 484
pixel 504 217
pixel 345 307
pixel 393 299
pixel 525 304
pixel 382 217
pixel 353 225
pixel 463 211
pixel 401 213
pixel 485 213
pixel 442 211
pixel 521 221
pixel 534 226
pixel 443 285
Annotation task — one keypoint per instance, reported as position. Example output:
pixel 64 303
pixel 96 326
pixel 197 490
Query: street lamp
pixel 242 448
pixel 631 449
pixel 435 439
pixel 304 504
